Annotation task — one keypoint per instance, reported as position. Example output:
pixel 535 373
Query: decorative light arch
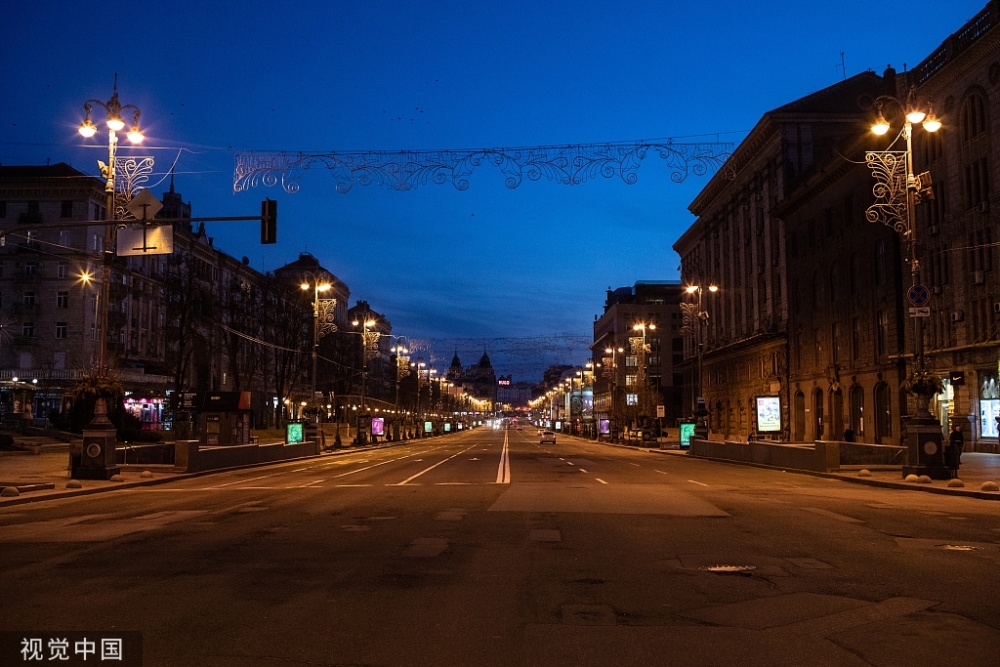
pixel 571 164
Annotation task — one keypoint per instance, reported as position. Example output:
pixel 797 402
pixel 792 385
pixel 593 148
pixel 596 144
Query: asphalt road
pixel 486 548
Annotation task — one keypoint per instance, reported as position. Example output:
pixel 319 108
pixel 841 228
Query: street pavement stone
pixel 46 475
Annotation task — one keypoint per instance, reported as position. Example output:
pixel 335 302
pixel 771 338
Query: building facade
pixel 189 321
pixel 815 307
pixel 638 356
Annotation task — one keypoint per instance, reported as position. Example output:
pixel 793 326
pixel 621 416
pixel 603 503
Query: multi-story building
pixel 478 382
pixel 512 395
pixel 814 305
pixel 50 273
pixel 334 351
pixel 638 353
pixel 187 321
pixel 376 369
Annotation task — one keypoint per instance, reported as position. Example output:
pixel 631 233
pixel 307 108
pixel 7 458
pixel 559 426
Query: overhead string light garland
pixel 572 164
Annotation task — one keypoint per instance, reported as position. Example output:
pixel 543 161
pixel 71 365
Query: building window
pixel 66 211
pixel 30 268
pixel 62 270
pixel 62 299
pixel 880 263
pixel 28 298
pixel 856 338
pixel 836 342
pixel 28 329
pixel 881 334
pixel 3 209
pixel 61 328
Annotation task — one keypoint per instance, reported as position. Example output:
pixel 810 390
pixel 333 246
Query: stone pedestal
pixel 97 458
pixel 925 448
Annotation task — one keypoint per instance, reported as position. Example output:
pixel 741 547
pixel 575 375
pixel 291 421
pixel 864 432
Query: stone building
pixel 644 368
pixel 815 307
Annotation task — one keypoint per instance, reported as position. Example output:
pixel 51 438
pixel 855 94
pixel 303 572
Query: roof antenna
pixel 842 66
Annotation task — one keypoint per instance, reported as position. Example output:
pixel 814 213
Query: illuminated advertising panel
pixel 687 431
pixel 428 427
pixel 989 417
pixel 447 427
pixel 605 426
pixel 378 426
pixel 294 433
pixel 768 414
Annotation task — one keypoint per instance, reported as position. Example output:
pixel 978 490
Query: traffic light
pixel 269 221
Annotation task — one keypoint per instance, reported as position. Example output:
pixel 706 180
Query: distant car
pixel 547 436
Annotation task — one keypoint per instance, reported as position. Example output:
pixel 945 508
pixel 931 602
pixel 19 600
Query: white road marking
pixel 698 483
pixel 427 470
pixel 503 470
pixel 600 480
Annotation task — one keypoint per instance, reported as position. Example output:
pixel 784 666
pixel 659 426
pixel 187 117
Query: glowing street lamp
pixel 317 288
pixel 100 435
pixel 889 171
pixel 113 109
pixel 897 192
pixel 697 327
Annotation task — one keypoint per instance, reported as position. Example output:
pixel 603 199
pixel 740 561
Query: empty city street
pixel 487 548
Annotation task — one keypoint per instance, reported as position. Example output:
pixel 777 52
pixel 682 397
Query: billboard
pixel 768 414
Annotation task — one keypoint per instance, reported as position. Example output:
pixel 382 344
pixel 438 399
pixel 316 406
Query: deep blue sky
pixel 519 273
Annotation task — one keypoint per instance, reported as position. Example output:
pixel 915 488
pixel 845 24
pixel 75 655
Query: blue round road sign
pixel 918 295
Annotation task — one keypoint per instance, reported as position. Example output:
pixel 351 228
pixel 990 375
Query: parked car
pixel 547 436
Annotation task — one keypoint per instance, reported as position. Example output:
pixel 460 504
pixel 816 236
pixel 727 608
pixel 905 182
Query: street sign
pixel 923 311
pixel 918 295
pixel 146 240
pixel 144 205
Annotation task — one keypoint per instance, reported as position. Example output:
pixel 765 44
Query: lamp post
pixel 317 288
pixel 612 371
pixel 113 108
pixel 697 320
pixel 365 324
pixel 401 353
pixel 97 459
pixel 897 192
pixel 642 385
pixel 915 190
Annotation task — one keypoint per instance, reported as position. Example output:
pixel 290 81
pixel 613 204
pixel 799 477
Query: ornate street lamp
pixel 897 192
pixel 611 372
pixel 100 436
pixel 369 339
pixel 113 109
pixel 696 321
pixel 318 286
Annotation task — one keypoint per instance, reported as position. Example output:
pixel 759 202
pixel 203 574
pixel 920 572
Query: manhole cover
pixel 728 569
